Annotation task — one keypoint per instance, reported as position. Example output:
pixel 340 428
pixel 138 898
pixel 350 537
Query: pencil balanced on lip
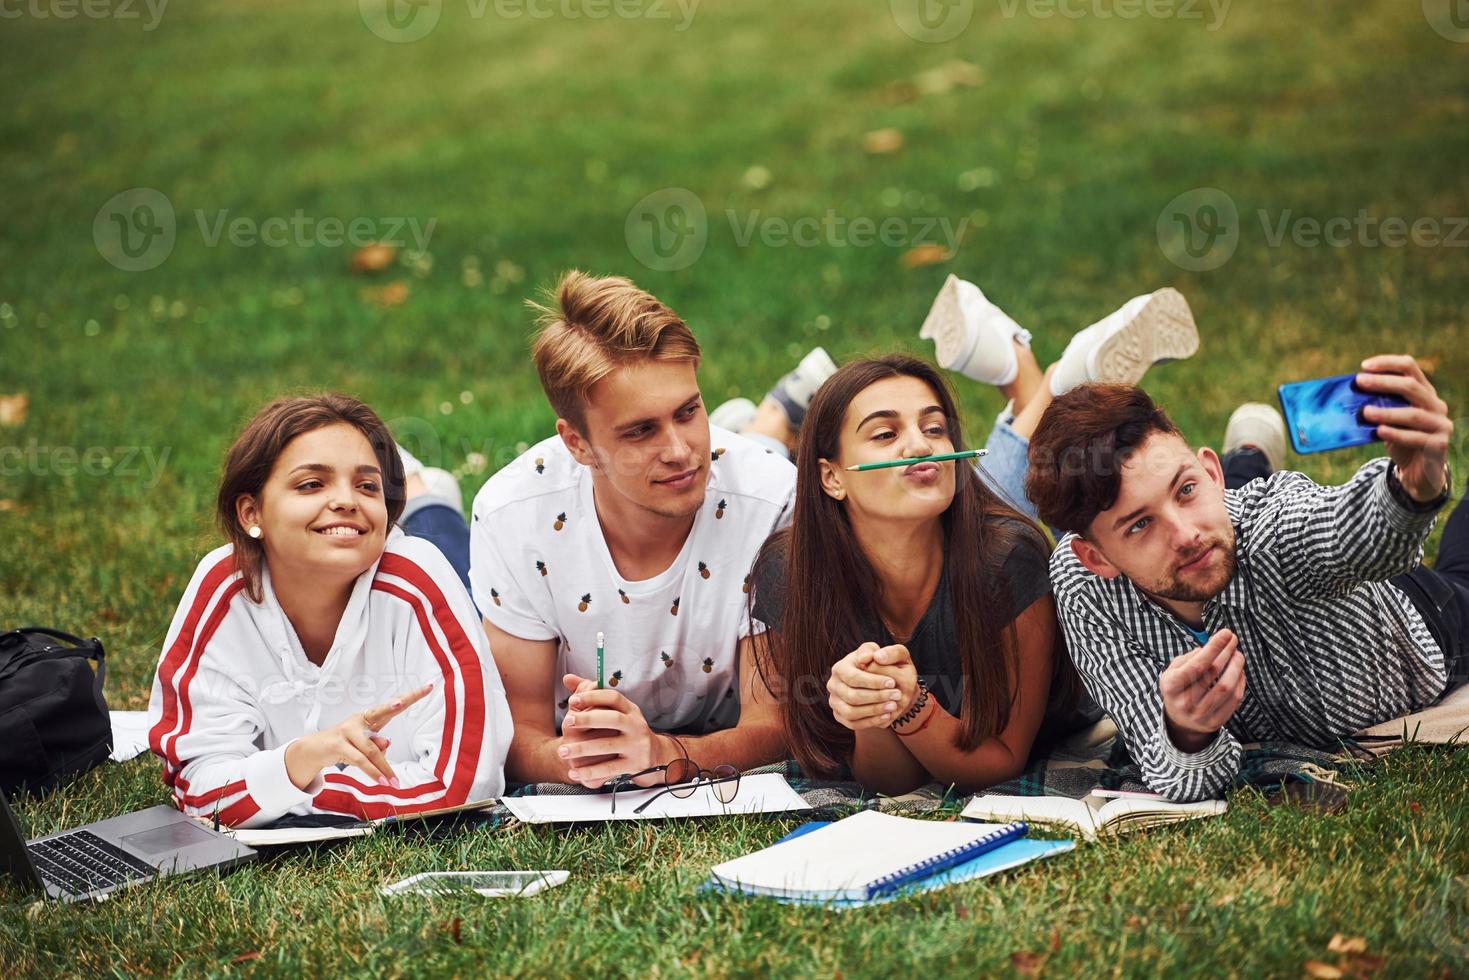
pixel 940 458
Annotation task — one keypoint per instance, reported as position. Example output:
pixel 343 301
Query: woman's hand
pixel 352 742
pixel 861 697
pixel 897 663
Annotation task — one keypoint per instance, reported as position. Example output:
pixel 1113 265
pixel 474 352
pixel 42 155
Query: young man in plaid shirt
pixel 1206 606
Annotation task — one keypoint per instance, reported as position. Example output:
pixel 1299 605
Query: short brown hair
pixel 1080 446
pixel 249 461
pixel 598 324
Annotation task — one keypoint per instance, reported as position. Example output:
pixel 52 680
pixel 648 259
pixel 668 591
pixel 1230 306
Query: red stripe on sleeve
pixel 179 653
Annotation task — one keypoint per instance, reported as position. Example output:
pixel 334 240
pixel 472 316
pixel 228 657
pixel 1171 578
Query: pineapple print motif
pixel 673 610
pixel 708 665
pixel 541 567
pixel 714 456
pixel 719 511
pixel 703 570
pixel 496 596
pixel 586 600
pixel 616 676
pixel 563 703
pixel 560 521
pixel 667 660
pixel 623 596
pixel 540 465
pixel 746 587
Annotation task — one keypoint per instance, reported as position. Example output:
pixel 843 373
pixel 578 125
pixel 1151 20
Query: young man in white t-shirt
pixel 637 520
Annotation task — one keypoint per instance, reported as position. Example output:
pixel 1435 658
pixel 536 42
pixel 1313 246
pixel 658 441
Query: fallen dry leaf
pixel 1056 939
pixel 254 954
pixel 916 258
pixel 881 142
pixel 1362 965
pixel 1321 971
pixel 393 294
pixel 1345 944
pixel 13 409
pixel 7 505
pixel 947 76
pixel 1027 964
pixel 373 258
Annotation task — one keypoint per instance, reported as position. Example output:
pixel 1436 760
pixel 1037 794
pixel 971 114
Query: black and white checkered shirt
pixel 1329 646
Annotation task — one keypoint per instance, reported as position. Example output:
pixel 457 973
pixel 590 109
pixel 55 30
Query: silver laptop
pixel 98 859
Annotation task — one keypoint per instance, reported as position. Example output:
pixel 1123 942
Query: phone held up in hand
pixel 1327 413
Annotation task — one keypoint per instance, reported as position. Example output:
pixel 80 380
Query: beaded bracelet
pixel 913 709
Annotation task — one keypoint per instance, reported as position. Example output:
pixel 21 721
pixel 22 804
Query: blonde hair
pixel 598 324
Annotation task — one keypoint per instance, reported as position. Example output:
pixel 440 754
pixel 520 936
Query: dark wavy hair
pixel 249 461
pixel 830 581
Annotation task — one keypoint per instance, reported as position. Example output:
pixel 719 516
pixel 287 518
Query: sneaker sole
pixel 1163 330
pixel 944 325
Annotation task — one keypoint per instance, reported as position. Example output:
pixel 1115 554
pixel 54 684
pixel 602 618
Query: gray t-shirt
pixel 934 645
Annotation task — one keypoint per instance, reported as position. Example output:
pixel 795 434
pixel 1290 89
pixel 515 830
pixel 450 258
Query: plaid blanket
pixel 1092 759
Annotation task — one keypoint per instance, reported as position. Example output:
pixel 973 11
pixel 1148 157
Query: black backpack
pixel 53 718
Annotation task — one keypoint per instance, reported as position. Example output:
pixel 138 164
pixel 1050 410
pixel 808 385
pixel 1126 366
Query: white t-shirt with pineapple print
pixel 541 570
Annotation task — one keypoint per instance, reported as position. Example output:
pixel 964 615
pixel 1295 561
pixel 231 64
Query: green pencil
pixel 940 458
pixel 601 644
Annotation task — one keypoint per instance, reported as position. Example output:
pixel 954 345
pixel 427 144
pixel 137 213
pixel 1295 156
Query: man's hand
pixel 1417 435
pixel 859 695
pixel 605 735
pixel 1202 690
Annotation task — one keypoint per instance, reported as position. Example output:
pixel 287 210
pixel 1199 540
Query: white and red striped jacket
pixel 234 688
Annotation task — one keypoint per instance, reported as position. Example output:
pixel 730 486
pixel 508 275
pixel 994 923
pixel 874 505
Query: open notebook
pixel 1091 816
pixel 861 858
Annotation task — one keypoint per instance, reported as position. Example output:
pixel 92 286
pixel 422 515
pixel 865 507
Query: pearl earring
pixel 254 531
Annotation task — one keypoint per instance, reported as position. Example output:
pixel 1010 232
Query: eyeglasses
pixel 681 778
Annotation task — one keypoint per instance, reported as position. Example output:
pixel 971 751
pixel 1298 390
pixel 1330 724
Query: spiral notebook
pixel 861 858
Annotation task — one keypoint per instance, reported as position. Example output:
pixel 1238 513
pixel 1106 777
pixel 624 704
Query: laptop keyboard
pixel 80 862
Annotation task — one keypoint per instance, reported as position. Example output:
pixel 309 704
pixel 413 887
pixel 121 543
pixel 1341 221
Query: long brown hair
pixel 829 581
pixel 249 461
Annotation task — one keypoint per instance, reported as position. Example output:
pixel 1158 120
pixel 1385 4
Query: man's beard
pixel 1178 590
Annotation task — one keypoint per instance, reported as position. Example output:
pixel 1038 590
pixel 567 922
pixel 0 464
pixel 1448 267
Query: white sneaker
pixel 795 391
pixel 1147 330
pixel 1258 425
pixel 442 485
pixel 971 335
pixel 734 415
pixel 411 465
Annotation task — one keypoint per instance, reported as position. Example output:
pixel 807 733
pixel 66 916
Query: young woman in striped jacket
pixel 322 660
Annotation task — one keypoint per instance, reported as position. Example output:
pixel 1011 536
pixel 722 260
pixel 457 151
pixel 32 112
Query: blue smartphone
pixel 1327 413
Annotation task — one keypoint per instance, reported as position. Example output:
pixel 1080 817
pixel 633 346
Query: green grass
pixel 527 141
